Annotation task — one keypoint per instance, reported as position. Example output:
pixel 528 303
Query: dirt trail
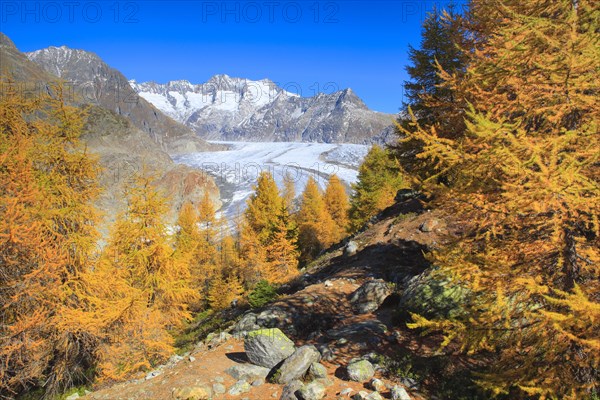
pixel 390 249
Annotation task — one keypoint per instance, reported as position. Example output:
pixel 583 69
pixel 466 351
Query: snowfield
pixel 235 170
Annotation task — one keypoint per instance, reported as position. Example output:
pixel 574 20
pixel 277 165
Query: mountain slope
pixel 123 148
pixel 317 309
pixel 97 83
pixel 226 108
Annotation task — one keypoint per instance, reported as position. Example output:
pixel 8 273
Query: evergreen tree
pixel 337 204
pixel 526 192
pixel 430 99
pixel 379 179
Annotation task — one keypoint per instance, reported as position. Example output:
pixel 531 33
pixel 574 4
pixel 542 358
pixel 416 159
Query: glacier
pixel 236 169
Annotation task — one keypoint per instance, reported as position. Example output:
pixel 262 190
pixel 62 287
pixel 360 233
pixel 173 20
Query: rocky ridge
pixel 237 109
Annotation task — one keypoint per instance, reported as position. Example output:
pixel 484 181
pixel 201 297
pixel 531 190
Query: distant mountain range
pixel 226 108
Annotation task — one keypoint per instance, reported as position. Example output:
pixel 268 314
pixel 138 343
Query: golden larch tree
pixel 525 186
pixel 337 204
pixel 315 225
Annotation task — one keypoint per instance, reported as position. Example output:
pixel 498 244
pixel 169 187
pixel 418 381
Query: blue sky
pixel 305 46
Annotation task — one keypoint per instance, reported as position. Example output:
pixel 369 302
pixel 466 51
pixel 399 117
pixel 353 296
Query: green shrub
pixel 263 293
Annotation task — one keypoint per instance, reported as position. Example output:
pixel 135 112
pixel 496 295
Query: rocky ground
pixel 334 333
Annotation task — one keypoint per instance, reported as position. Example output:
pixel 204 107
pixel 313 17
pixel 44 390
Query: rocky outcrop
pixel 370 296
pixel 268 347
pixel 296 365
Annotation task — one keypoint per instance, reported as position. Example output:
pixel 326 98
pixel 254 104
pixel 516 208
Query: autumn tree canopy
pixel 525 186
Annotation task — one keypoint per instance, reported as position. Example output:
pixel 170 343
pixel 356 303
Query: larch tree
pixel 141 246
pixel 526 190
pixel 379 179
pixel 315 225
pixel 289 193
pixel 337 204
pixel 262 223
pixel 282 251
pixel 47 238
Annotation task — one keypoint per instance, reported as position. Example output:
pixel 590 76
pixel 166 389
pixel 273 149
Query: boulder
pixel 377 385
pixel 218 388
pixel 360 371
pixel 274 317
pixel 317 371
pixel 374 396
pixel 289 390
pixel 362 395
pixel 246 324
pixel 247 372
pixel 370 296
pixel 327 353
pixel 429 225
pixel 432 296
pixel 239 387
pixel 351 248
pixel 192 393
pixel 313 391
pixel 296 365
pixel 268 347
pixel 399 393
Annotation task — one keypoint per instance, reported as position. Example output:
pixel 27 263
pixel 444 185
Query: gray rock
pixel 327 353
pixel 409 383
pixel 247 372
pixel 239 387
pixel 268 347
pixel 258 382
pixel 362 395
pixel 274 317
pixel 192 393
pixel 351 248
pixel 374 396
pixel 218 388
pixel 317 371
pixel 360 371
pixel 370 296
pixel 399 393
pixel 295 366
pixel 289 390
pixel 378 385
pixel 432 296
pixel 429 225
pixel 219 379
pixel 346 392
pixel 74 396
pixel 313 391
pixel 246 324
pixel 371 328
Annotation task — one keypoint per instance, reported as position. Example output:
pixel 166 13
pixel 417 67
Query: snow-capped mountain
pixel 93 81
pixel 226 108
